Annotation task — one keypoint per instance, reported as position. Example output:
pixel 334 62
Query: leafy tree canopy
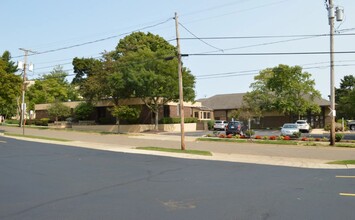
pixel 10 86
pixel 285 89
pixel 345 98
pixel 141 60
pixel 51 87
pixel 58 110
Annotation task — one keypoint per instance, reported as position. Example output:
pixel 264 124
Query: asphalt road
pixel 45 181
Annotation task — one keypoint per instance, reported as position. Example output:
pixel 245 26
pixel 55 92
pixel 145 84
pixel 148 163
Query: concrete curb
pixel 240 158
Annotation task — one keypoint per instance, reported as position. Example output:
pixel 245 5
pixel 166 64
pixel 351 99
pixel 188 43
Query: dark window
pixel 166 111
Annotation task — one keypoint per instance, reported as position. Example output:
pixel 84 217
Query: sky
pixel 58 31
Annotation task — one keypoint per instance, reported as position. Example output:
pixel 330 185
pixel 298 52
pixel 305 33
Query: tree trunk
pixel 118 125
pixel 156 120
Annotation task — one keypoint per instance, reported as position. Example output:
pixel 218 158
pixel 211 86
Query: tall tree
pixel 51 87
pixel 285 89
pixel 10 86
pixel 143 65
pixel 345 98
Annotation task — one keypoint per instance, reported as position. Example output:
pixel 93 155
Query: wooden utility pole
pixel 181 95
pixel 23 103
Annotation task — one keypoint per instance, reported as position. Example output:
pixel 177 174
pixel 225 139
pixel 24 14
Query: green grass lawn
pixel 343 162
pixel 36 137
pixel 174 150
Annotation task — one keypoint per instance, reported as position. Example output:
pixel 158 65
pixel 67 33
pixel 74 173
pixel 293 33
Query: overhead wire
pixel 95 41
pixel 208 44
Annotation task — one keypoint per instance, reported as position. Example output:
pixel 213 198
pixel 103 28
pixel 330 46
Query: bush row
pixel 168 120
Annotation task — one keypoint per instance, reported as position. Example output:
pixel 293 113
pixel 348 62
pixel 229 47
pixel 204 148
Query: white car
pixel 220 125
pixel 289 129
pixel 303 125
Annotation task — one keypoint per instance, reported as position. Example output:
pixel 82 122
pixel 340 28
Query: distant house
pixel 223 104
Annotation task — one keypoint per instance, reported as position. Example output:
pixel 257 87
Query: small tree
pixel 83 110
pixel 58 109
pixel 124 113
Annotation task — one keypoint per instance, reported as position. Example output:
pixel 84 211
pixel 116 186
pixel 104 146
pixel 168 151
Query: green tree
pixel 83 110
pixel 51 87
pixel 58 110
pixel 10 66
pixel 285 89
pixel 125 113
pixel 10 86
pixel 142 63
pixel 345 98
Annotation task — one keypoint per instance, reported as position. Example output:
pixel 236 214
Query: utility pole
pixel 181 95
pixel 339 16
pixel 23 103
pixel 332 93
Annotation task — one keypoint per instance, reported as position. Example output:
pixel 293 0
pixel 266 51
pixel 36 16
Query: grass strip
pixel 36 137
pixel 350 145
pixel 342 162
pixel 173 150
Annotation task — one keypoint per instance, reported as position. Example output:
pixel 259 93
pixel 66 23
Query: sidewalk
pixel 280 155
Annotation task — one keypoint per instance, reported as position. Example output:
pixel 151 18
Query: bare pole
pixel 23 92
pixel 332 92
pixel 181 95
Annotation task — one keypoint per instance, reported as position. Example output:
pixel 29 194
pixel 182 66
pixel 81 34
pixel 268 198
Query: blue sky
pixel 48 25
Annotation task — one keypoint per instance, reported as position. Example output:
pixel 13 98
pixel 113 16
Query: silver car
pixel 220 125
pixel 289 129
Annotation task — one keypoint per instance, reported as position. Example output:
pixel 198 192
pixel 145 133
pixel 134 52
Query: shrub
pixel 272 138
pixel 257 137
pixel 249 133
pixel 265 137
pixel 338 137
pixel 304 139
pixel 279 138
pixel 287 138
pixel 297 134
pixel 229 136
pixel 317 139
pixel 210 124
pixel 325 139
pixel 237 136
pixel 168 120
pixel 338 127
pixel 12 121
pixel 83 110
pixel 221 135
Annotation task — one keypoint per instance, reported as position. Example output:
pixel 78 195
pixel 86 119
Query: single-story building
pixel 102 114
pixel 223 104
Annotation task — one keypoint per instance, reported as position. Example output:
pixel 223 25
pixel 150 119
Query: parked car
pixel 235 127
pixel 220 125
pixel 303 126
pixel 289 129
pixel 351 125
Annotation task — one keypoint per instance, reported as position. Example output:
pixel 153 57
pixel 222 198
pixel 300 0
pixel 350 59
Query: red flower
pixel 257 137
pixel 272 138
pixel 287 138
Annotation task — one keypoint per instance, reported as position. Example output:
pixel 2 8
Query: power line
pixel 98 40
pixel 200 38
pixel 268 54
pixel 266 36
